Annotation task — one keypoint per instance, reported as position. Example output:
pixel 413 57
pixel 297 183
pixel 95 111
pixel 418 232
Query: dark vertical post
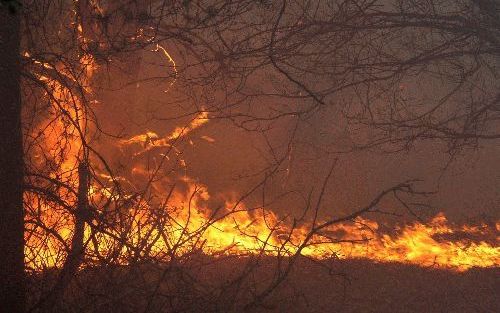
pixel 12 277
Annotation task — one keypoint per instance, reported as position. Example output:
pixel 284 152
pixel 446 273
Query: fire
pixel 55 153
pixel 152 140
pixel 187 225
pixel 168 222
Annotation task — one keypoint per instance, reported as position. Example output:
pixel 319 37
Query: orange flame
pixel 188 225
pixel 184 224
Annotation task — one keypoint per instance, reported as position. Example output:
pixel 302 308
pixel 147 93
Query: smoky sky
pixel 139 92
pixel 230 162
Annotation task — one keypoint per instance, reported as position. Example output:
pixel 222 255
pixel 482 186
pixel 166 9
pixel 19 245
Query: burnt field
pixel 238 284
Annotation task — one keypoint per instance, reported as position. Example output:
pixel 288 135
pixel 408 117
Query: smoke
pixel 230 156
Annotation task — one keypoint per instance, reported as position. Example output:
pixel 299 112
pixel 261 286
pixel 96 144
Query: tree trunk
pixel 12 279
pixel 75 255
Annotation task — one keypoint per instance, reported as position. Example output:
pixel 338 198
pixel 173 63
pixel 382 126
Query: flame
pixel 188 225
pixel 55 152
pixel 177 221
pixel 151 140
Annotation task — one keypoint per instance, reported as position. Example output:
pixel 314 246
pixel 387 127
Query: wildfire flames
pixel 241 231
pixel 184 223
pixel 172 221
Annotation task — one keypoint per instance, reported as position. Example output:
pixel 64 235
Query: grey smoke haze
pixel 467 187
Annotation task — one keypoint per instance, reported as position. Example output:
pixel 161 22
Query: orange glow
pixel 187 225
pixel 179 222
pixel 151 140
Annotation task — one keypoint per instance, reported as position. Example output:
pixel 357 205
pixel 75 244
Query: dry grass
pixel 204 284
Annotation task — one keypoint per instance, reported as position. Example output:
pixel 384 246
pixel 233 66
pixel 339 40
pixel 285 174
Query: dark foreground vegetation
pixel 217 285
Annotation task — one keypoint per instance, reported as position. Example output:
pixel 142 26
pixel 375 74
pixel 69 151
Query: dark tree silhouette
pixel 11 168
